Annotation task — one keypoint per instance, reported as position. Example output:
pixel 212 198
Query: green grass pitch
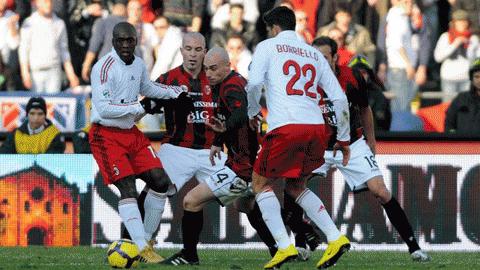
pixel 94 258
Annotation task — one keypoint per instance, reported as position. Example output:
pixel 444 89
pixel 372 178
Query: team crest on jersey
pixel 106 93
pixel 207 89
pixel 116 171
pixel 184 88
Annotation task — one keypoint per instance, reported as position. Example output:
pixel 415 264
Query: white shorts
pixel 182 163
pixel 227 186
pixel 360 168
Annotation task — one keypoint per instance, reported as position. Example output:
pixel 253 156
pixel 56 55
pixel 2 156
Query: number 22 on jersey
pixel 306 72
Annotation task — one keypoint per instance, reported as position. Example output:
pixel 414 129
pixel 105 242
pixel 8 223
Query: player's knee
pixel 158 180
pixel 382 194
pixel 127 187
pixel 295 187
pixel 190 203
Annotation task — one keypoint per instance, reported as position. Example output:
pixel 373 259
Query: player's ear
pixel 335 58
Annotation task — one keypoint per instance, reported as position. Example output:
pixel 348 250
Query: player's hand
pixel 345 149
pixel 215 151
pixel 372 144
pixel 153 105
pixel 185 103
pixel 137 110
pixel 255 123
pixel 216 124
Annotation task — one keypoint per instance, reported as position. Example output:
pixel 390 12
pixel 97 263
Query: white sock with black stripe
pixel 270 207
pixel 154 205
pixel 316 211
pixel 128 210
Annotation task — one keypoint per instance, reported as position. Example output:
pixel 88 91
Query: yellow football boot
pixel 333 252
pixel 282 256
pixel 148 255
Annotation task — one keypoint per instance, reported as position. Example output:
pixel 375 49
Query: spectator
pixel 301 26
pixel 401 56
pixel 43 48
pixel 220 11
pixel 472 7
pixel 380 105
pixel 344 54
pixel 357 37
pixel 235 26
pixel 420 41
pixel 325 13
pixel 146 35
pixel 82 15
pixel 463 115
pixel 37 135
pixel 101 39
pixel 8 45
pixel 167 52
pixel 185 13
pixel 455 50
pixel 310 9
pixel 240 56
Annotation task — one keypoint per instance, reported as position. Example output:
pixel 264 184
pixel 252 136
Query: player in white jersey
pixel 122 152
pixel 362 172
pixel 293 147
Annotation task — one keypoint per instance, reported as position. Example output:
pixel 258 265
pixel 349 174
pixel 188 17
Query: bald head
pixel 217 55
pixel 216 65
pixel 194 37
pixel 193 50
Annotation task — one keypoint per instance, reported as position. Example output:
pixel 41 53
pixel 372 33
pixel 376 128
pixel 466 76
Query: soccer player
pixel 362 172
pixel 230 122
pixel 123 152
pixel 186 149
pixel 293 147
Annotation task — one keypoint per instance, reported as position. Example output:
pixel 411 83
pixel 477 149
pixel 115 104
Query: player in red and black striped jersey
pixel 192 134
pixel 241 141
pixel 362 172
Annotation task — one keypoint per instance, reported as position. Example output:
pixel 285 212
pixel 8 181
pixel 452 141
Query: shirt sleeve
pixel 256 78
pixel 25 42
pixel 236 102
pixel 102 98
pixel 64 43
pixel 152 89
pixel 329 83
pixel 451 116
pixel 98 32
pixel 57 146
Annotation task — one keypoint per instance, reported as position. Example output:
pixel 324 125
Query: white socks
pixel 316 211
pixel 154 205
pixel 271 214
pixel 128 210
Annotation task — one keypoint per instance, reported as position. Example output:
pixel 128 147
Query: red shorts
pixel 121 152
pixel 291 151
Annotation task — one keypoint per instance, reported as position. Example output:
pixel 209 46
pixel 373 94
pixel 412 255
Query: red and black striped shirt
pixel 355 88
pixel 241 142
pixel 195 134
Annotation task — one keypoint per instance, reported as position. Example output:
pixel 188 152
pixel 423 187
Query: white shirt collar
pixel 35 131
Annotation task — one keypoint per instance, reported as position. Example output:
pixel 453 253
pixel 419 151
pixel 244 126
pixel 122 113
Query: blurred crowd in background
pixel 422 51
